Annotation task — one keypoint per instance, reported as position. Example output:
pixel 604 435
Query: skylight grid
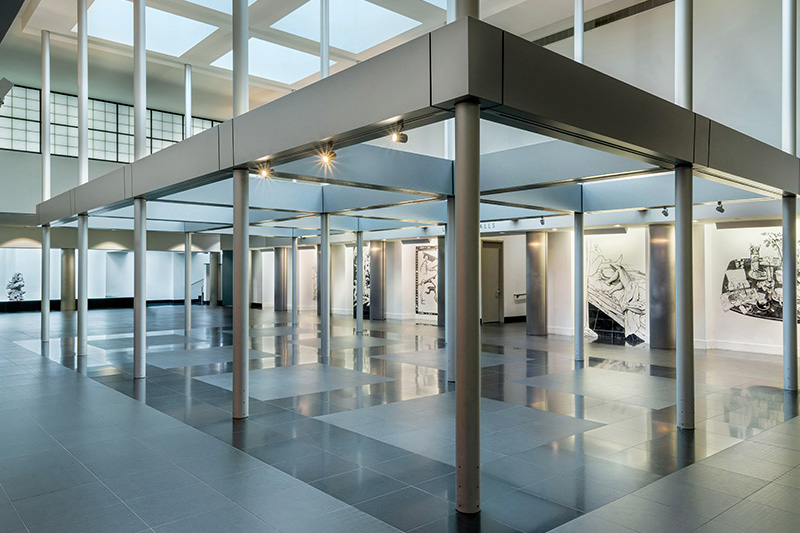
pixel 223 6
pixel 166 33
pixel 275 62
pixel 356 25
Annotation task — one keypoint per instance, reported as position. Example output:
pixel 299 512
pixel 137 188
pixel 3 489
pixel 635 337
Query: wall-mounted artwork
pixel 753 284
pixel 617 299
pixel 366 282
pixel 427 282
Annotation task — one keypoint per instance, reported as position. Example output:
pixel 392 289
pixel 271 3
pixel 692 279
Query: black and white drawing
pixel 14 287
pixel 753 285
pixel 427 282
pixel 366 282
pixel 617 299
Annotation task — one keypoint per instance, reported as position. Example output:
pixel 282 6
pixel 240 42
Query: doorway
pixel 491 282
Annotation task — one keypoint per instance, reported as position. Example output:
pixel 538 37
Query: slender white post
pixel 324 38
pixel 139 288
pixel 45 116
pixel 187 284
pixel 83 284
pixel 241 293
pixel 684 294
pixel 45 336
pixel 789 143
pixel 187 101
pixel 83 95
pixel 139 81
pixel 359 282
pixel 45 147
pixel 684 27
pixel 468 331
pixel 579 291
pixel 241 54
pixel 578 31
pixel 325 287
pixel 241 222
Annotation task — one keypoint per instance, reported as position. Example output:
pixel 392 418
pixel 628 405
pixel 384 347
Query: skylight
pixel 167 33
pixel 275 62
pixel 356 25
pixel 225 6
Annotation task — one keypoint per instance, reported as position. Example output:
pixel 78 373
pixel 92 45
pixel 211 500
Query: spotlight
pixel 665 212
pixel 397 135
pixel 719 207
pixel 328 155
pixel 265 170
pixel 541 221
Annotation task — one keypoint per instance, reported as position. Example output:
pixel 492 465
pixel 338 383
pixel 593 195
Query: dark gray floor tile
pixel 465 523
pixel 285 450
pixel 407 509
pixel 754 517
pixel 574 492
pixel 148 482
pixel 292 507
pixel 413 469
pixel 358 485
pixel 445 487
pixel 46 480
pixel 171 505
pixel 258 482
pixel 313 467
pixel 53 506
pixel 526 512
pixel 117 518
pixel 781 496
pixel 230 518
pixel 9 519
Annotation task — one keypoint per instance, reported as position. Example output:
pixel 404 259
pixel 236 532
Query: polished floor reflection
pixel 367 443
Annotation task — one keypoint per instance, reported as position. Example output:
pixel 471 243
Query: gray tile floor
pixel 367 442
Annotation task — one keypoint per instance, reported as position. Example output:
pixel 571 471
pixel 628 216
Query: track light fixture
pixel 541 221
pixel 265 169
pixel 665 212
pixel 397 135
pixel 719 207
pixel 328 155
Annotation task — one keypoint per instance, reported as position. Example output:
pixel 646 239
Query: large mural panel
pixel 427 280
pixel 616 288
pixel 753 282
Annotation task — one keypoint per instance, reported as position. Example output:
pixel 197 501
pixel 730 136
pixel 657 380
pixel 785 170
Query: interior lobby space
pixel 384 265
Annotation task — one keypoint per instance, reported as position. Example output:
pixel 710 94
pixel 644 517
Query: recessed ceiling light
pixel 275 62
pixel 355 25
pixel 167 33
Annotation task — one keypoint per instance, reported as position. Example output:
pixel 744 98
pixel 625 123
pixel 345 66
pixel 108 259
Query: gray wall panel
pixel 193 158
pixel 548 87
pixel 466 59
pixel 736 154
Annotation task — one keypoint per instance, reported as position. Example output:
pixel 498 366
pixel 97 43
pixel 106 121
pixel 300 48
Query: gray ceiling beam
pixel 376 167
pixel 654 191
pixel 517 83
pixel 562 198
pixel 551 162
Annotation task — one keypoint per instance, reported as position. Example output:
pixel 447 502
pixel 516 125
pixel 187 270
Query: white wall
pixel 395 287
pixel 119 266
pixel 737 58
